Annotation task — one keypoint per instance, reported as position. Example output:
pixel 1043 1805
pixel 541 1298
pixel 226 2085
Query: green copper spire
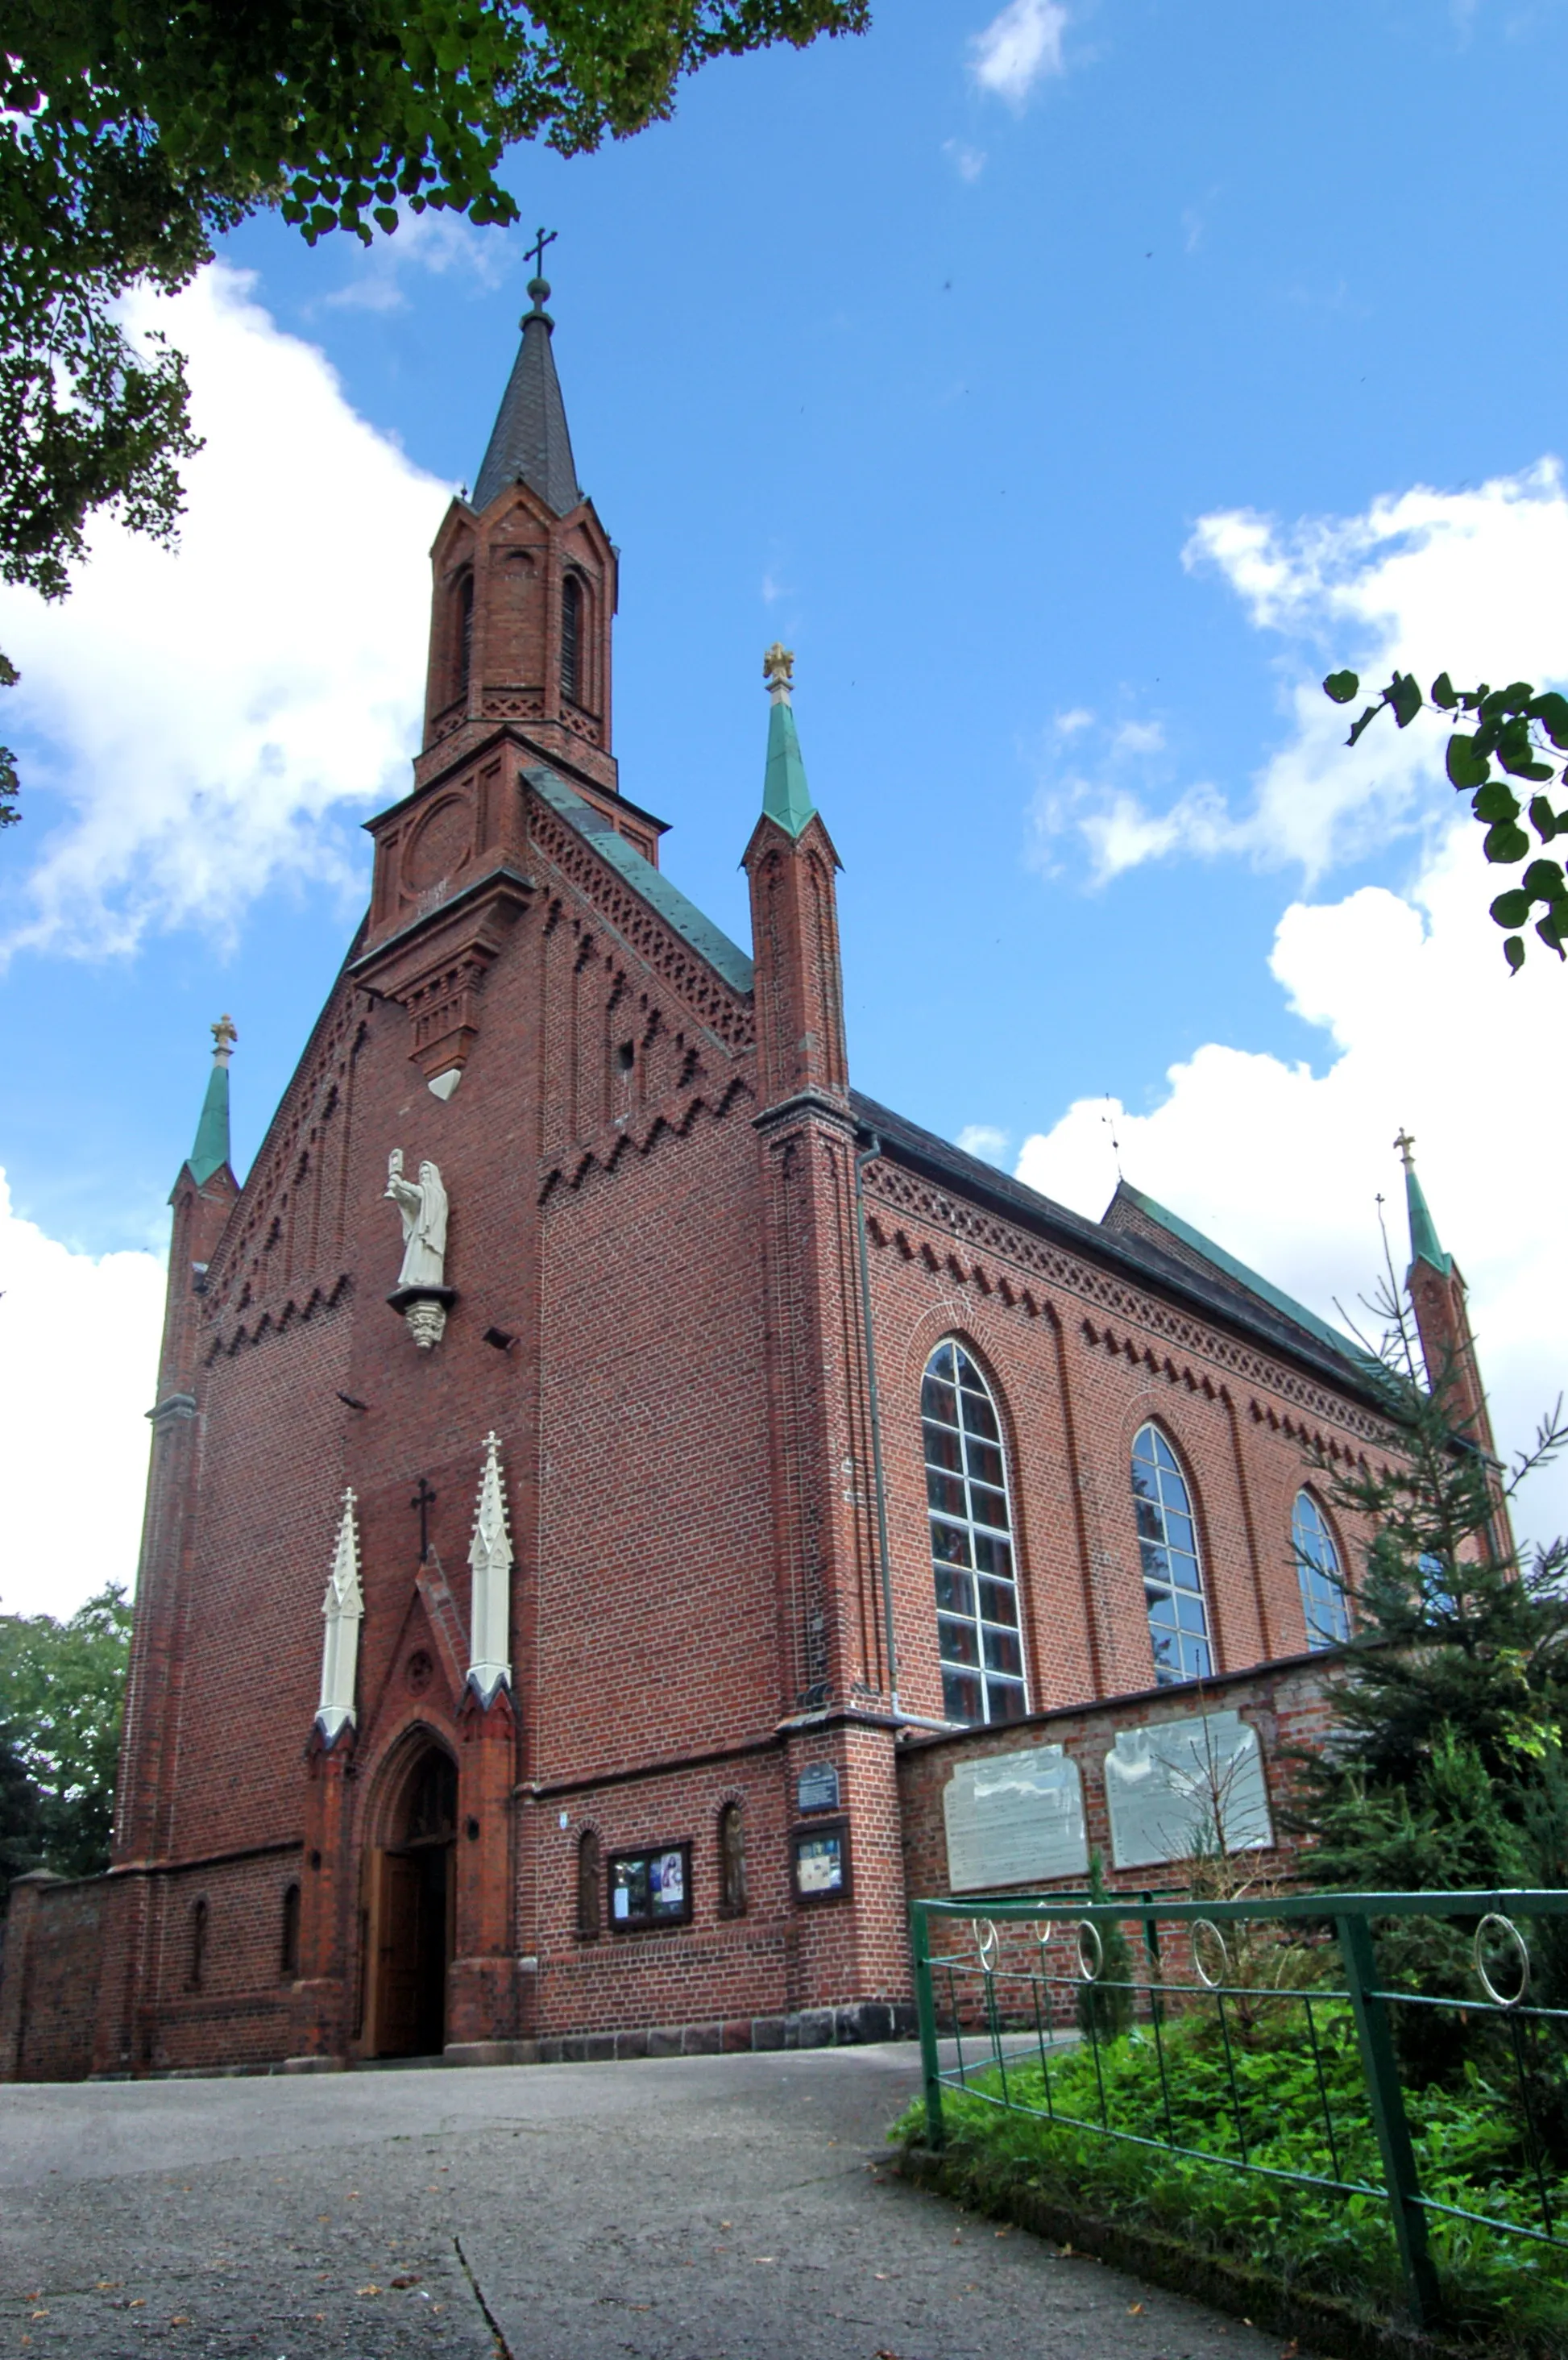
pixel 786 797
pixel 210 1152
pixel 1424 1246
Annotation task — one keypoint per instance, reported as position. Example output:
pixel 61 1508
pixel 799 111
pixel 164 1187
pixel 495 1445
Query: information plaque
pixel 816 1789
pixel 1014 1818
pixel 1170 1787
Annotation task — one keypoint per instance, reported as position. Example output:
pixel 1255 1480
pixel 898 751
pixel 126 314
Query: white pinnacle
pixel 343 1611
pixel 490 1558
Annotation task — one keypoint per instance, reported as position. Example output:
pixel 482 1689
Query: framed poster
pixel 820 1861
pixel 651 1888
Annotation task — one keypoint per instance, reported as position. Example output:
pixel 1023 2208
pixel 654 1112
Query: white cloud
pixel 967 162
pixel 1283 1166
pixel 437 242
pixel 210 720
pixel 1018 47
pixel 1474 582
pixel 79 1338
pixel 983 1139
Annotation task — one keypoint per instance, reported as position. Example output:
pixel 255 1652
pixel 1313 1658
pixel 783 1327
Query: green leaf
pixel 1466 770
pixel 1553 928
pixel 1506 843
pixel 1444 693
pixel 1542 818
pixel 1341 686
pixel 1513 951
pixel 1513 908
pixel 1370 715
pixel 1551 711
pixel 1542 880
pixel 1496 800
pixel 1405 697
pixel 1517 753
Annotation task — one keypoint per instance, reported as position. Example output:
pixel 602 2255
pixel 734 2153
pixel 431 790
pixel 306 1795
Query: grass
pixel 1258 2080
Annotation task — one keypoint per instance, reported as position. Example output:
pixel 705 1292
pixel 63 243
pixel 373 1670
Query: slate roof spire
pixel 1424 1246
pixel 529 443
pixel 786 797
pixel 210 1152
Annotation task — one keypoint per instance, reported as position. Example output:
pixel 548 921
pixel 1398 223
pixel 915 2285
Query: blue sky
pixel 1035 376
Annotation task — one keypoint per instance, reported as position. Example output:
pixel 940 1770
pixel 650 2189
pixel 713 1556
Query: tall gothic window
pixel 588 1881
pixel 1319 1572
pixel 465 630
pixel 1173 1577
pixel 572 638
pixel 972 1547
pixel 731 1861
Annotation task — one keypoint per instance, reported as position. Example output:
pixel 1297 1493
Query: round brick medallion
pixel 417 1672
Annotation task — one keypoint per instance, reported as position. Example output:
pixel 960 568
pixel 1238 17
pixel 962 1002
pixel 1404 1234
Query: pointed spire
pixel 530 443
pixel 490 1561
pixel 1424 1246
pixel 342 1609
pixel 786 797
pixel 210 1152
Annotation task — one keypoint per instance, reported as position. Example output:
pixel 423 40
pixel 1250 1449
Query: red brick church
pixel 683 1441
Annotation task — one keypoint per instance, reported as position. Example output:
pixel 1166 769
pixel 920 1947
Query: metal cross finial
pixel 223 1034
pixel 779 668
pixel 424 1499
pixel 539 286
pixel 1405 1142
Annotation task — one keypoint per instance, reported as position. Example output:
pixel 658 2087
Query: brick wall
pixel 49 1979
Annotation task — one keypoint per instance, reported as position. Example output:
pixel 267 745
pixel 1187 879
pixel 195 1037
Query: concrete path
pixel 701 2209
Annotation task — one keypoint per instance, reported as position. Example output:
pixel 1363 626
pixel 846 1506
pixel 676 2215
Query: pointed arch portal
pixel 409 1930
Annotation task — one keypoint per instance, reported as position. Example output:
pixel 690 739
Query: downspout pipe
pixel 869 1154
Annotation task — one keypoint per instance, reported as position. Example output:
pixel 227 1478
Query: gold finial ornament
pixel 223 1036
pixel 1405 1142
pixel 778 667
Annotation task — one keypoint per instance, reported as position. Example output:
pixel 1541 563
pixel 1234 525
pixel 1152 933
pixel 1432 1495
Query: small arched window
pixel 731 1861
pixel 289 1960
pixel 465 630
pixel 572 638
pixel 1173 1577
pixel 972 1547
pixel 197 1974
pixel 1320 1573
pixel 588 1882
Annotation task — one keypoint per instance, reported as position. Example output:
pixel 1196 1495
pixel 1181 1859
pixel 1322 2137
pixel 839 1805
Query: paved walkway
pixel 703 2209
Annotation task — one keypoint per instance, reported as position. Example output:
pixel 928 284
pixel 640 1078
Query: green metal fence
pixel 1007 1981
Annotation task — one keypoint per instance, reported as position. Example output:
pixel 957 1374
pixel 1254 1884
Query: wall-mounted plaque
pixel 1015 1818
pixel 1173 1788
pixel 816 1789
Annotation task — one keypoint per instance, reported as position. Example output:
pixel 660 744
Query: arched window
pixel 731 1861
pixel 289 1961
pixel 1172 1578
pixel 1320 1573
pixel 465 630
pixel 571 637
pixel 587 1885
pixel 972 1548
pixel 198 1975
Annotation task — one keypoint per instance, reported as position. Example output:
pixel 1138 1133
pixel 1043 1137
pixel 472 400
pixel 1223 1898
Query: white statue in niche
pixel 423 1204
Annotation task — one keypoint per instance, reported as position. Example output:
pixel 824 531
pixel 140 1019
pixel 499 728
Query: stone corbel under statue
pixel 421 1294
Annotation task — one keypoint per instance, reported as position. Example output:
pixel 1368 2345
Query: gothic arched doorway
pixel 412 1911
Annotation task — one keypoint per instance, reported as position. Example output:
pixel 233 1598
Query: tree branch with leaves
pixel 1525 731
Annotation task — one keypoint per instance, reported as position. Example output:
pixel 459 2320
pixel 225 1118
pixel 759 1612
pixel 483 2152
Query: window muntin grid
pixel 1319 1572
pixel 1172 1578
pixel 978 1639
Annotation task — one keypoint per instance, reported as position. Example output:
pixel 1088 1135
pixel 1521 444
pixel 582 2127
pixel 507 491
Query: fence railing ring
pixel 1088 1974
pixel 1044 1930
pixel 987 1942
pixel 1202 1926
pixel 1493 1925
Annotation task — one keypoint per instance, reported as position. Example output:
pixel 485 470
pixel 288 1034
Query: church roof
pixel 1227 1265
pixel 529 443
pixel 1138 1257
pixel 786 797
pixel 672 906
pixel 1424 1246
pixel 210 1152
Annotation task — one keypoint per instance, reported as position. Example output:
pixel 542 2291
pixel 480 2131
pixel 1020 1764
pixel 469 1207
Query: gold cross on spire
pixel 1405 1142
pixel 778 667
pixel 223 1035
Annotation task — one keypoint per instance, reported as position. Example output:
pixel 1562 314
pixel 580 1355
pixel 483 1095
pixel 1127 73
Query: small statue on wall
pixel 422 1293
